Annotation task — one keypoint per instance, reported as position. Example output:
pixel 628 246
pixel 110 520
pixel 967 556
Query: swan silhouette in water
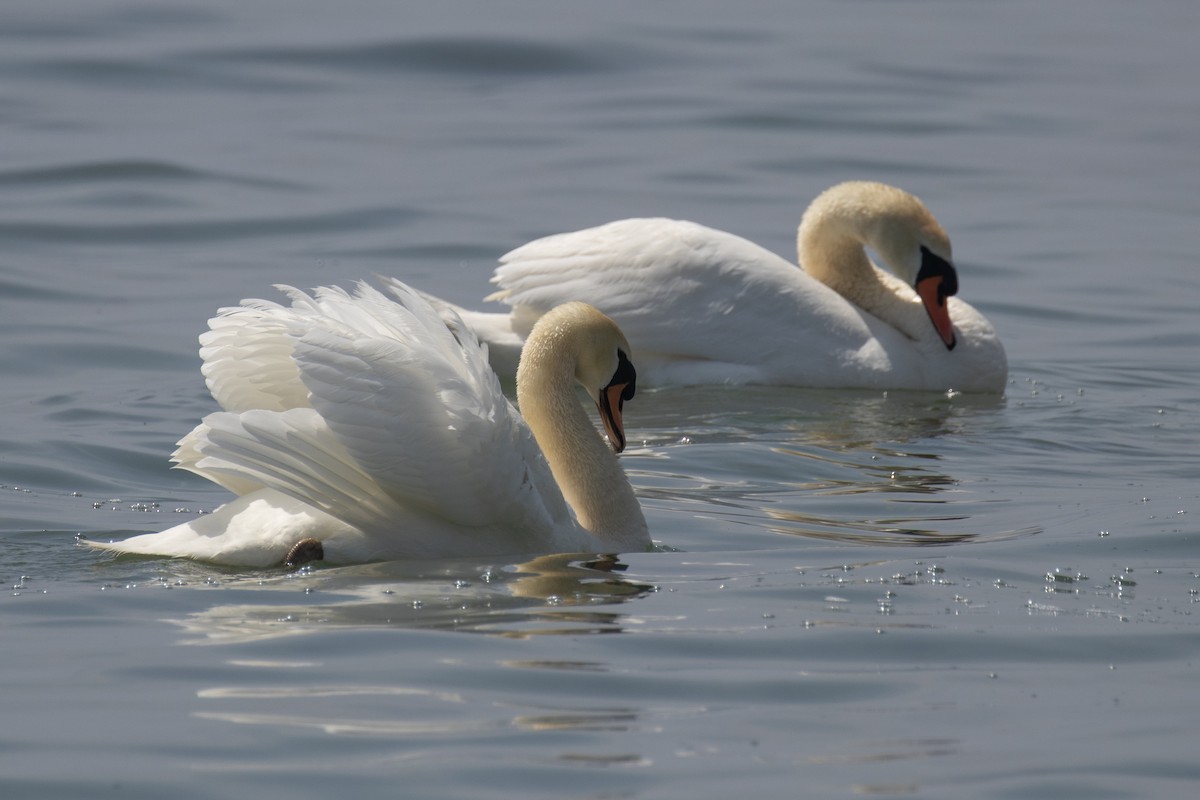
pixel 360 427
pixel 705 306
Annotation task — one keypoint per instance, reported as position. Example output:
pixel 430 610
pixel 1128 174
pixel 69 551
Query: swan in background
pixel 704 306
pixel 359 427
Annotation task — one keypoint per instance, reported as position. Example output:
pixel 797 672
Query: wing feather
pixel 417 406
pixel 373 408
pixel 673 286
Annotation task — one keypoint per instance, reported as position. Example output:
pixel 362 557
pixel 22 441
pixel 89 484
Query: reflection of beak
pixel 934 298
pixel 610 403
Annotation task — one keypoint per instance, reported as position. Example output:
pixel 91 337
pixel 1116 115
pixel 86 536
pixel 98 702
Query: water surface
pixel 901 594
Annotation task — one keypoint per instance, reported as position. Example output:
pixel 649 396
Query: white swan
pixel 357 428
pixel 706 306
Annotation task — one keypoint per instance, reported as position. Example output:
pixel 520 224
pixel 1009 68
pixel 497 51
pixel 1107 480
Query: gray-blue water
pixel 908 595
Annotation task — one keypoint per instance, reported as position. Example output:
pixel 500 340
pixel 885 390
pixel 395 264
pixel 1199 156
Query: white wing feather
pixel 674 286
pixel 400 416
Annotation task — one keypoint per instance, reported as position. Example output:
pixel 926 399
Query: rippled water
pixel 899 594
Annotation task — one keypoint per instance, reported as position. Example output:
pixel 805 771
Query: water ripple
pixel 468 55
pixel 133 170
pixel 209 230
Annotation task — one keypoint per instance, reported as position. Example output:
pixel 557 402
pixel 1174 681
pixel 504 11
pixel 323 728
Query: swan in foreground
pixel 359 427
pixel 706 306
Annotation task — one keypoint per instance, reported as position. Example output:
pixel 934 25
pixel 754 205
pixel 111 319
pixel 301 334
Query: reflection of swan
pixel 848 467
pixel 363 429
pixel 543 596
pixel 709 307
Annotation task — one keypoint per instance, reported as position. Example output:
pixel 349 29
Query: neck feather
pixel 833 251
pixel 585 468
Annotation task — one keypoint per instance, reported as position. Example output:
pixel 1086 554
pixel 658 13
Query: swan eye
pixel 934 266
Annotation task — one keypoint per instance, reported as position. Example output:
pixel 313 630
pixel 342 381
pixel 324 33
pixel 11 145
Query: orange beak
pixel 610 404
pixel 930 290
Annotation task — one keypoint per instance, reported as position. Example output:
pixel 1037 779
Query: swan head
pixel 600 354
pixel 901 231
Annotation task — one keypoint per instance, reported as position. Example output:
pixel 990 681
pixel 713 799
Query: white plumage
pixel 367 423
pixel 704 306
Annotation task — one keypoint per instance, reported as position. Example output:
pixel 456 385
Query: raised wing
pixel 418 407
pixel 400 413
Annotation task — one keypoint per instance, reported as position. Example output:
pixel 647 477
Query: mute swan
pixel 357 428
pixel 706 306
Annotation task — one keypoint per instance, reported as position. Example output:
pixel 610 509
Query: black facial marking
pixel 625 374
pixel 933 265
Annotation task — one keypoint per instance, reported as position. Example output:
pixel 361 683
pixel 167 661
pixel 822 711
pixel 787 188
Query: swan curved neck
pixel 832 243
pixel 835 254
pixel 586 470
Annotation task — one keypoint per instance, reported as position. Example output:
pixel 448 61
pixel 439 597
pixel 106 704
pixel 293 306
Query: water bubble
pixel 1065 575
